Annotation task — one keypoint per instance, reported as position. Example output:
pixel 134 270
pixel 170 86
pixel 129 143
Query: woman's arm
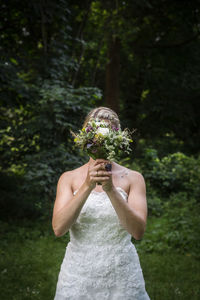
pixel 132 214
pixel 67 206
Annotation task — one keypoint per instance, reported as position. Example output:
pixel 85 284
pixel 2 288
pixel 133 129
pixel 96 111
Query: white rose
pixel 103 131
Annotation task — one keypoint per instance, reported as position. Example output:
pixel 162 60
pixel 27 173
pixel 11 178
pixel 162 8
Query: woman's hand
pixel 98 174
pixel 107 185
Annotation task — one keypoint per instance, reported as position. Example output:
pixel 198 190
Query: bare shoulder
pixel 137 182
pixel 136 176
pixel 64 182
pixel 68 177
pixel 131 174
pixel 65 176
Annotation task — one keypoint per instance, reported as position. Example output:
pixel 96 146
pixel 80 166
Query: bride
pixel 101 262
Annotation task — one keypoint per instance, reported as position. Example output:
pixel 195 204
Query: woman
pixel 100 262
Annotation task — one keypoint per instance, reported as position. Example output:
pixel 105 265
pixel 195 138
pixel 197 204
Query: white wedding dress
pixel 100 262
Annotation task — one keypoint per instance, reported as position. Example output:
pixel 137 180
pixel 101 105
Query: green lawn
pixel 31 258
pixel 171 276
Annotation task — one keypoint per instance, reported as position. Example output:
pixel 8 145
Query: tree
pixel 159 62
pixel 39 105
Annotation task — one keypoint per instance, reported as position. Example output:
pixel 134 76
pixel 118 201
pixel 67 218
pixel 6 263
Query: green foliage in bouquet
pixel 100 139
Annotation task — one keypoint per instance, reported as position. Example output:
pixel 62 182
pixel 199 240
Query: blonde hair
pixel 103 113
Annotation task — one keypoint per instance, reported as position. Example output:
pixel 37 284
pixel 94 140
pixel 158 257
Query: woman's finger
pixel 103 173
pixel 100 173
pixel 101 166
pixel 99 179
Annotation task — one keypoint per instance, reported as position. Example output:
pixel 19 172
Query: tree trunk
pixel 112 75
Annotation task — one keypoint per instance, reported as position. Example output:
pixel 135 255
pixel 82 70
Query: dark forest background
pixel 59 59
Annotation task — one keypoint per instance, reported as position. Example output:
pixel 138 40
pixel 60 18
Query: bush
pixel 15 202
pixel 173 194
pixel 174 172
pixel 177 229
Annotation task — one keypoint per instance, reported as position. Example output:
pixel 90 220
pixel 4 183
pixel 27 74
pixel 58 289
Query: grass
pixel 31 257
pixel 171 276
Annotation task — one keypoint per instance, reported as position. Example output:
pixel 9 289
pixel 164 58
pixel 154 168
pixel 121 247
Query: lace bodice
pixel 100 262
pixel 98 223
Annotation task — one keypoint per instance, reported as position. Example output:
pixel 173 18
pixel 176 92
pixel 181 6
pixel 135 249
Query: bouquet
pixel 100 139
